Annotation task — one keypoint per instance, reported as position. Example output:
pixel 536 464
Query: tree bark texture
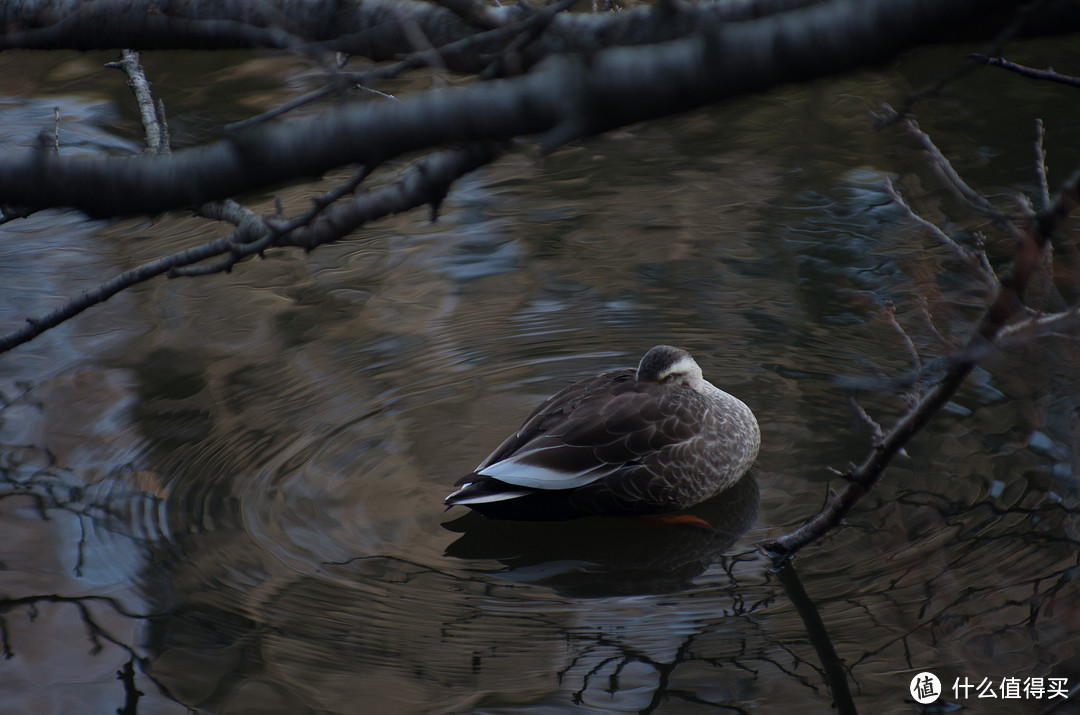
pixel 565 97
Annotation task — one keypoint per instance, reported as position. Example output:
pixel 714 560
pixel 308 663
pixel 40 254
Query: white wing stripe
pixel 485 498
pixel 514 472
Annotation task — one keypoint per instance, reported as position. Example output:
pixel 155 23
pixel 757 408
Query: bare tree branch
pixel 369 28
pixel 1041 171
pixel 428 183
pixel 1046 74
pixel 515 33
pixel 56 131
pixel 876 432
pixel 909 345
pixel 951 178
pixel 976 260
pixel 156 135
pixel 997 323
pixel 425 183
pixel 1066 322
pixel 563 99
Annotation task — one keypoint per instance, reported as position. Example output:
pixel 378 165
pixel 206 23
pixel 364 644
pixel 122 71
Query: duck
pixel 640 441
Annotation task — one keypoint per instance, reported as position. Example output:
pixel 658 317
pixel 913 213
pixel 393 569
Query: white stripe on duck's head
pixel 671 365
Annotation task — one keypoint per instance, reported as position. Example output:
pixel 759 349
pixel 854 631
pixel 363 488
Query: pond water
pixel 224 494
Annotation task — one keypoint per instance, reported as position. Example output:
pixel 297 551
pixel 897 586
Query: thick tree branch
pixel 425 183
pixel 371 28
pixel 366 134
pixel 368 28
pixel 327 220
pixel 564 98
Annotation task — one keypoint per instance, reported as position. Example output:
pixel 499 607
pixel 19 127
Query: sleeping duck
pixel 647 441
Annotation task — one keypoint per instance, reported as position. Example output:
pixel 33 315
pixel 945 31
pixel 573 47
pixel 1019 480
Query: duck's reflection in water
pixel 607 556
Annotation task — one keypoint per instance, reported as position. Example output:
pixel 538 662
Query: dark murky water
pixel 231 487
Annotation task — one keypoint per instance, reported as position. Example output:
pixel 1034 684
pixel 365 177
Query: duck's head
pixel 672 366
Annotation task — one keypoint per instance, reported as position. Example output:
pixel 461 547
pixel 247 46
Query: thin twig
pixel 422 46
pixel 36 326
pixel 509 62
pixel 979 242
pixel 875 428
pixel 337 85
pixel 924 310
pixel 363 80
pixel 166 140
pixel 256 236
pixel 951 178
pixel 1041 290
pixel 140 87
pixel 1041 171
pixel 1046 74
pixel 1064 322
pixel 152 116
pixel 1007 33
pixel 976 260
pixel 377 93
pixel 890 318
pixel 56 131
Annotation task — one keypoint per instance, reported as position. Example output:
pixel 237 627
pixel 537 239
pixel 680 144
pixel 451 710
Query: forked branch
pixel 332 215
pixel 1006 318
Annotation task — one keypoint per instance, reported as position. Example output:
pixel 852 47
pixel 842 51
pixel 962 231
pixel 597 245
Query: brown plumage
pixel 645 441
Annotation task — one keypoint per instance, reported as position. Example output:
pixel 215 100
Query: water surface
pixel 229 490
